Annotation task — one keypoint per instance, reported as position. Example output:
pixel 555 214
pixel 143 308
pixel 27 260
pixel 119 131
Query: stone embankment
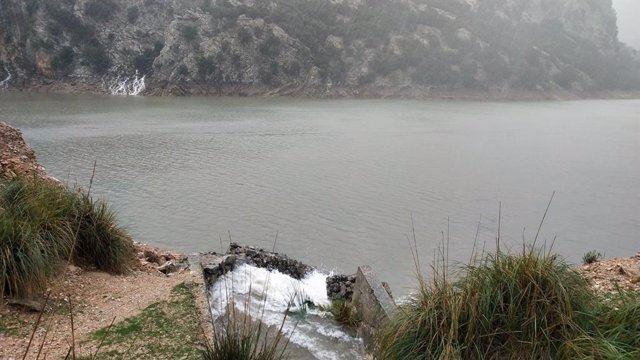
pixel 215 265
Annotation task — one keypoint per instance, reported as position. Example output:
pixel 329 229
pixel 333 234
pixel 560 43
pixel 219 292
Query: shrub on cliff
pixel 101 10
pixel 43 224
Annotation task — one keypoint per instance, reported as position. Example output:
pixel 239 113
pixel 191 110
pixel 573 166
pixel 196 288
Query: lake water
pixel 339 181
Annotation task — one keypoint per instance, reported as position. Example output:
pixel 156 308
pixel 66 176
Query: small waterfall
pixel 128 85
pixel 268 294
pixel 4 84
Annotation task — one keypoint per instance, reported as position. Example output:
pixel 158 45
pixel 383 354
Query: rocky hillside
pixel 318 47
pixel 17 159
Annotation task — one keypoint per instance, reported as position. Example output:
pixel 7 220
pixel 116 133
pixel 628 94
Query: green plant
pixel 44 224
pixel 344 312
pixel 101 10
pixel 34 236
pixel 144 62
pixel 245 36
pixel 63 59
pixel 239 336
pixel 617 319
pixel 96 56
pixel 133 13
pixel 189 32
pixel 99 241
pixel 182 71
pixel 591 256
pixel 505 306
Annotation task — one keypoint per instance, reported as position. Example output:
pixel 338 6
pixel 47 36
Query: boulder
pixel 215 265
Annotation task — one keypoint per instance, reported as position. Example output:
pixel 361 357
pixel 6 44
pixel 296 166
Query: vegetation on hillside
pixel 491 45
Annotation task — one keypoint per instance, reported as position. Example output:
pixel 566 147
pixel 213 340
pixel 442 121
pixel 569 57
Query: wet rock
pixel 215 265
pixel 340 287
pixel 271 260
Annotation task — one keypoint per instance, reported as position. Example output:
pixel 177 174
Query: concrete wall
pixel 373 304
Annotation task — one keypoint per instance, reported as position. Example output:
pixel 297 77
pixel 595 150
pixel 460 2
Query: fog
pixel 628 11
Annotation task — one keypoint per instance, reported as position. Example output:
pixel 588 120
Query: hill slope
pixel 319 47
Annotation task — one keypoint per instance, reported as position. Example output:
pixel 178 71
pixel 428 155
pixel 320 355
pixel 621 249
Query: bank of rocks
pixel 215 265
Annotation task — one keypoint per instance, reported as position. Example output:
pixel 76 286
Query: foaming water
pixel 339 181
pixel 268 295
pixel 4 84
pixel 127 85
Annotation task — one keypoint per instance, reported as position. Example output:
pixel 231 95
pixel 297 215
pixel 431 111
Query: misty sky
pixel 628 24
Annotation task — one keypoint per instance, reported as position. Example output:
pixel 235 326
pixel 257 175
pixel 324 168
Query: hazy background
pixel 628 11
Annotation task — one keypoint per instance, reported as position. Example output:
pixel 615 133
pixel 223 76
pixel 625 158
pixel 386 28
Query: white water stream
pixel 4 84
pixel 128 85
pixel 312 333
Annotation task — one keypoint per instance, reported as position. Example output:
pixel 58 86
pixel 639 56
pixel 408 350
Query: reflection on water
pixel 340 180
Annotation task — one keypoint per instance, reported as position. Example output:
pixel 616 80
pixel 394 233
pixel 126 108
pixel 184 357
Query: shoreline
pixel 155 88
pixel 100 297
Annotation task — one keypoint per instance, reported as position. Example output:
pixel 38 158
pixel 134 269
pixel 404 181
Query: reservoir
pixel 340 183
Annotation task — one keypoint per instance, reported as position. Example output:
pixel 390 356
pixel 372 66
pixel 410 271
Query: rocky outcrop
pixel 317 47
pixel 215 265
pixel 17 159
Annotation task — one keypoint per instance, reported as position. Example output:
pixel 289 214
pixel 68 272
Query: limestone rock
pixel 285 47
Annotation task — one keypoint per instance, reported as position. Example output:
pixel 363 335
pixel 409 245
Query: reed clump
pixel 528 305
pixel 239 336
pixel 45 224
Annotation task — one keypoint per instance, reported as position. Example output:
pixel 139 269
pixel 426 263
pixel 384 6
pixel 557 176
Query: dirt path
pixel 97 299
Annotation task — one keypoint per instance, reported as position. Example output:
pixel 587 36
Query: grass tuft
pixel 505 306
pixel 344 312
pixel 590 257
pixel 42 224
pixel 238 336
pixel 100 242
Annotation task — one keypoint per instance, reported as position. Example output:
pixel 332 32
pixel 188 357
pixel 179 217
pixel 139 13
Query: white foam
pixel 269 294
pixel 4 84
pixel 128 86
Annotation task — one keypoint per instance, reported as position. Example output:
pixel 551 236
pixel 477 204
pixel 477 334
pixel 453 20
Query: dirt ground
pixel 97 299
pixel 606 276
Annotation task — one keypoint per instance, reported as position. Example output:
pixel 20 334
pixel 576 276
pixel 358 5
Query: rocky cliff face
pixel 318 46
